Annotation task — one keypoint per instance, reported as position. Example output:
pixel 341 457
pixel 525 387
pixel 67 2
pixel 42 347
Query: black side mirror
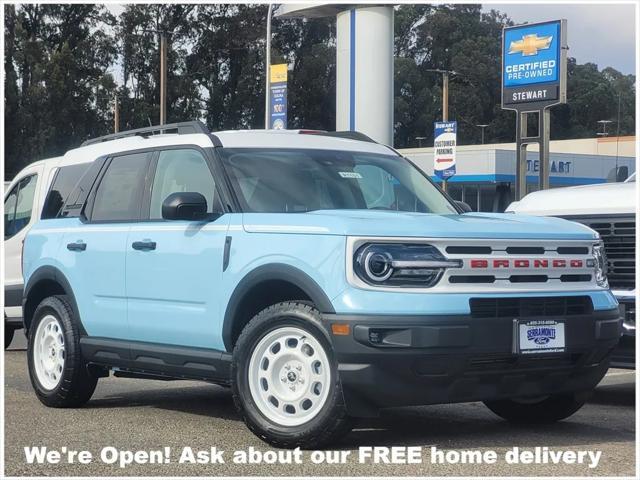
pixel 184 206
pixel 463 206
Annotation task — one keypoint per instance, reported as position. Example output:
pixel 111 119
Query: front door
pixel 174 268
pixel 94 250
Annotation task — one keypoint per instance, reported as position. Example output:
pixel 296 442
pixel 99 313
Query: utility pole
pixel 116 113
pixel 267 68
pixel 445 108
pixel 163 78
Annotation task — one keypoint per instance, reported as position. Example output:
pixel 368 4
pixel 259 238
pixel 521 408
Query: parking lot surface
pixel 146 415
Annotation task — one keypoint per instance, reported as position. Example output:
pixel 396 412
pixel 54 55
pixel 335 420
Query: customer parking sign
pixel 444 149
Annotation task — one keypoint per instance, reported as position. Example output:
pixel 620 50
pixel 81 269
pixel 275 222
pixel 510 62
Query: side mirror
pixel 463 206
pixel 184 206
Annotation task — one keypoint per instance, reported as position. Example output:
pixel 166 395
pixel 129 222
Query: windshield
pixel 302 180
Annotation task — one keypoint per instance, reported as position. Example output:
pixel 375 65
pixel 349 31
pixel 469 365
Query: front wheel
pixel 285 378
pixel 552 408
pixel 57 370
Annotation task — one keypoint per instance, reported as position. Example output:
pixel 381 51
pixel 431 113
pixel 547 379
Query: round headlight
pixel 400 264
pixel 377 265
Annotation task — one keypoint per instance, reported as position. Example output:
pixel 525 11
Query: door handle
pixel 78 246
pixel 144 245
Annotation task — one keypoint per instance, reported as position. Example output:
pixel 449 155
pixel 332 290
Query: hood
pixel 406 224
pixel 604 198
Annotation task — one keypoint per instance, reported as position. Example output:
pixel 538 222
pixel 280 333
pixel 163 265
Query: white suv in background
pixel 23 200
pixel 610 209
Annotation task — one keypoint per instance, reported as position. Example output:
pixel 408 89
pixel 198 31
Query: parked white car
pixel 23 200
pixel 610 209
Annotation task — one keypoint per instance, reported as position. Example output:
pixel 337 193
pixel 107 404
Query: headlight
pixel 401 265
pixel 600 264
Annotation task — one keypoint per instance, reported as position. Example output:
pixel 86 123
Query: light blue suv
pixel 322 276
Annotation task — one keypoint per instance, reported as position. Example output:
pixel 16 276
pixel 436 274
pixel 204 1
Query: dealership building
pixel 485 174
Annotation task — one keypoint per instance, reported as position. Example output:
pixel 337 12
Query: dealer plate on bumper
pixel 541 336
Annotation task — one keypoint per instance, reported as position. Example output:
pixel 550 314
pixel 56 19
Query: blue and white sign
pixel 533 63
pixel 444 149
pixel 278 96
pixel 531 54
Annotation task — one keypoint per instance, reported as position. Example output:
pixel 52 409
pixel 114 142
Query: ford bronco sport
pixel 322 276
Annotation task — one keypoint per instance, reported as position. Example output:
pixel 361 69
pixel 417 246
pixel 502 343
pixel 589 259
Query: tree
pixel 57 80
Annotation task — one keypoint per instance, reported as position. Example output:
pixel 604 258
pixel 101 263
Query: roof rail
pixel 181 128
pixel 349 134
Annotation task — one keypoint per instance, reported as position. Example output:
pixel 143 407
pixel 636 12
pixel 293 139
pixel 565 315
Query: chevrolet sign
pixel 533 64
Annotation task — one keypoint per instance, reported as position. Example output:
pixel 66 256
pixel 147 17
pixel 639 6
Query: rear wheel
pixel 58 373
pixel 9 331
pixel 538 410
pixel 285 378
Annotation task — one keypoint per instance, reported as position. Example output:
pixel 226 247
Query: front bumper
pixel 389 361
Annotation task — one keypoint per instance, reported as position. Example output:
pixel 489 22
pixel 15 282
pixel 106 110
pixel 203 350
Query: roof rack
pixel 349 134
pixel 181 128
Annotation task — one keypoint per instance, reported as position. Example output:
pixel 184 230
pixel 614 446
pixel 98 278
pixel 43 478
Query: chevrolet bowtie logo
pixel 530 44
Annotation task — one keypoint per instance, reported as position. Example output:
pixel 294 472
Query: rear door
pixel 173 283
pixel 95 245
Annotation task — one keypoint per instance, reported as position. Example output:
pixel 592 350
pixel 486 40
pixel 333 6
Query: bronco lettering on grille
pixel 526 263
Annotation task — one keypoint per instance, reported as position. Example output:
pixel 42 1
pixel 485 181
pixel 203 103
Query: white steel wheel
pixel 49 352
pixel 289 376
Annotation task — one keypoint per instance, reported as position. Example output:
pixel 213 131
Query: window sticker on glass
pixel 349 174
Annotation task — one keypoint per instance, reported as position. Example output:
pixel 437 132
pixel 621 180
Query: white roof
pixel 602 199
pixel 295 139
pixel 229 138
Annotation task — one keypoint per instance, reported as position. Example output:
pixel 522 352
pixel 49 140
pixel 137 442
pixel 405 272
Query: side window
pixel 10 211
pixel 181 171
pixel 66 178
pixel 24 193
pixel 119 193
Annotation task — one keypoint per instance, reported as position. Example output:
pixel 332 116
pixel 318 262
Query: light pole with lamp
pixel 482 127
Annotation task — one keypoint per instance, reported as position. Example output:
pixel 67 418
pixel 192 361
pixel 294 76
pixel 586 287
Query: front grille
pixel 518 307
pixel 619 236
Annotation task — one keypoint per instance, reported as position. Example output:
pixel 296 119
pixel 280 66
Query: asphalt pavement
pixel 144 415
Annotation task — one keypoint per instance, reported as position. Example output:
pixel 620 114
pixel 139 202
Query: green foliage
pixel 65 63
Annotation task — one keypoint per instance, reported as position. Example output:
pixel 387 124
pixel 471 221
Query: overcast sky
pixel 600 34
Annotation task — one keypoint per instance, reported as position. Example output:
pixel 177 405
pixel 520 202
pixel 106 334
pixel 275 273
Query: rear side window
pixel 18 206
pixel 63 184
pixel 119 194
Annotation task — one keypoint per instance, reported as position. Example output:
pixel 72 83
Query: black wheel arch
pixel 44 282
pixel 263 275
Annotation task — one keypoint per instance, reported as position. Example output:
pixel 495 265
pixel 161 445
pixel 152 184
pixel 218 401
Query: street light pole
pixel 267 67
pixel 482 127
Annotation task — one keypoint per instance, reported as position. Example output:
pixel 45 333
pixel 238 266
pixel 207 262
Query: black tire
pixel 330 423
pixel 549 410
pixel 77 384
pixel 8 335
